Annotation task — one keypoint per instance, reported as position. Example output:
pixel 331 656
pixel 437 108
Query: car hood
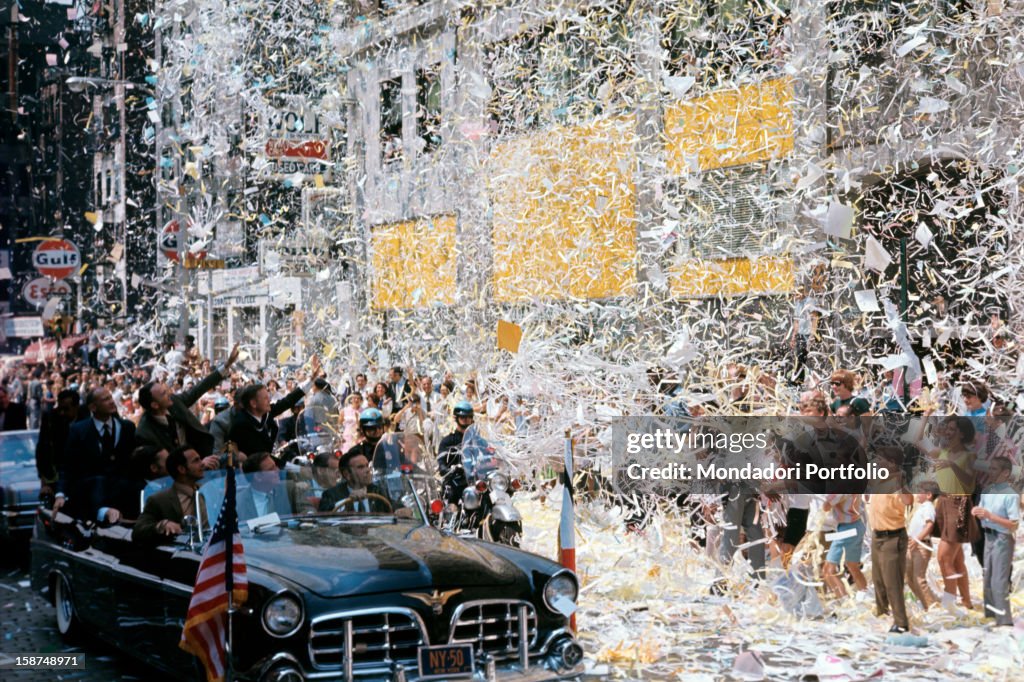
pixel 364 559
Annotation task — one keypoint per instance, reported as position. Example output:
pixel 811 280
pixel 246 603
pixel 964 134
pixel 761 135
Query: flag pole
pixel 229 574
pixel 566 525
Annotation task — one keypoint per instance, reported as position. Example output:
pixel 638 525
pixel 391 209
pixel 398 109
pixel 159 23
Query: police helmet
pixel 371 418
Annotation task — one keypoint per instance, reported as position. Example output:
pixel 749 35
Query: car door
pixel 135 589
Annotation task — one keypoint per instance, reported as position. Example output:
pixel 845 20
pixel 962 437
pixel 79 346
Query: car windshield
pixel 294 496
pixel 18 448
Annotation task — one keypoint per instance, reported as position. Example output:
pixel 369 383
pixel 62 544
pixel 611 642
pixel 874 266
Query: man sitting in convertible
pixel 357 492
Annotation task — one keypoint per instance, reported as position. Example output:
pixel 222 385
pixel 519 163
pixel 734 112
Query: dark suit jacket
pixel 198 436
pixel 14 418
pixel 91 479
pixel 336 494
pixel 400 392
pixel 53 435
pixel 162 505
pixel 250 437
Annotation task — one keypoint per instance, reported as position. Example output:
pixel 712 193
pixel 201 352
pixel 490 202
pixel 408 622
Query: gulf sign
pixel 57 258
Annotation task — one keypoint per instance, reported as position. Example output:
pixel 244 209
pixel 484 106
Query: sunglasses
pixel 836 383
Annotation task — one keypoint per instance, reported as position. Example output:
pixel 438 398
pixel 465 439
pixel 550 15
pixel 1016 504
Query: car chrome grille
pixel 379 638
pixel 492 626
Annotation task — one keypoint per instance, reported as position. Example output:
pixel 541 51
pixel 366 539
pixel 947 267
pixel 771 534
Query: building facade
pixel 637 168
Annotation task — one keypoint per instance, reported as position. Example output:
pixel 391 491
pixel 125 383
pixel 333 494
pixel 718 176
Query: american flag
pixel 222 571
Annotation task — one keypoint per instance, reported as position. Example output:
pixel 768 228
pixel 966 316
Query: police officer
pixel 450 452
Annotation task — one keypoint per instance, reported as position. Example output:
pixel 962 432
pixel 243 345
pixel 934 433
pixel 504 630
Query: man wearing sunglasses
pixel 842 383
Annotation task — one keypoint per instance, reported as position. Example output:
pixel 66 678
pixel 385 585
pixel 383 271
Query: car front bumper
pixel 545 667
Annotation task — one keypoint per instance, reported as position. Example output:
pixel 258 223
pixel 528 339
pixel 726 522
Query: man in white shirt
pixel 999 515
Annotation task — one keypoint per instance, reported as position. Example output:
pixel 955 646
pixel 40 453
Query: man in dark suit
pixel 254 428
pixel 169 423
pixel 54 426
pixel 12 415
pixel 401 389
pixel 164 511
pixel 355 486
pixel 266 493
pixel 290 429
pixel 97 461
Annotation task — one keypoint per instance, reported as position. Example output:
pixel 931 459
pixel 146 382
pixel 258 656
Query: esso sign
pixel 41 289
pixel 57 258
pixel 169 240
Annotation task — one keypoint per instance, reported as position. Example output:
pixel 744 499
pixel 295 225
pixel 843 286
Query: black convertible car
pixel 338 595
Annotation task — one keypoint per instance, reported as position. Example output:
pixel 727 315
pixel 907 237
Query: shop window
pixel 391 120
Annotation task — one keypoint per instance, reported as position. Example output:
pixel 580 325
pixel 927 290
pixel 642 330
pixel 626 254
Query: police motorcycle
pixel 478 490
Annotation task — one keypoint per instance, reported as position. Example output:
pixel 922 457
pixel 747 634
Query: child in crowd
pixel 919 549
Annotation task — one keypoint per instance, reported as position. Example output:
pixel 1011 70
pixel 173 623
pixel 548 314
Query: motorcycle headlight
pixel 470 498
pixel 282 615
pixel 559 587
pixel 498 481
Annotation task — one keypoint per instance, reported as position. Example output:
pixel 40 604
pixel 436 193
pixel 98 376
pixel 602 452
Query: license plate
pixel 452 660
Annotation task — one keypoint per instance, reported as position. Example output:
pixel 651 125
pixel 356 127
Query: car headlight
pixel 470 498
pixel 282 615
pixel 498 481
pixel 561 586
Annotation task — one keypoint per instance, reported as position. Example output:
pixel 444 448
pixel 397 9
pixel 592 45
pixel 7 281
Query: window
pixel 733 213
pixel 428 107
pixel 391 120
pixel 513 65
pixel 722 40
pixel 864 28
pixel 566 71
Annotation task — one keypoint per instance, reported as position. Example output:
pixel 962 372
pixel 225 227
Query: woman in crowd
pixel 954 474
pixel 350 421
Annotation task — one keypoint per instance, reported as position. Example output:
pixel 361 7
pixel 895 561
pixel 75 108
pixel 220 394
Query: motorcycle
pixel 479 492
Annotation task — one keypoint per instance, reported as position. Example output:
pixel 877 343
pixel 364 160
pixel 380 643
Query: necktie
pixel 108 440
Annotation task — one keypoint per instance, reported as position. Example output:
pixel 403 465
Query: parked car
pixel 340 595
pixel 19 483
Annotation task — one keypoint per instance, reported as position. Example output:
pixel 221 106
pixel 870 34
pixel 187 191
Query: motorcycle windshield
pixel 479 457
pixel 397 468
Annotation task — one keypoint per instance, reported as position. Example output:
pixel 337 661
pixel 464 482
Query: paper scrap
pixel 875 255
pixel 866 300
pixel 509 336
